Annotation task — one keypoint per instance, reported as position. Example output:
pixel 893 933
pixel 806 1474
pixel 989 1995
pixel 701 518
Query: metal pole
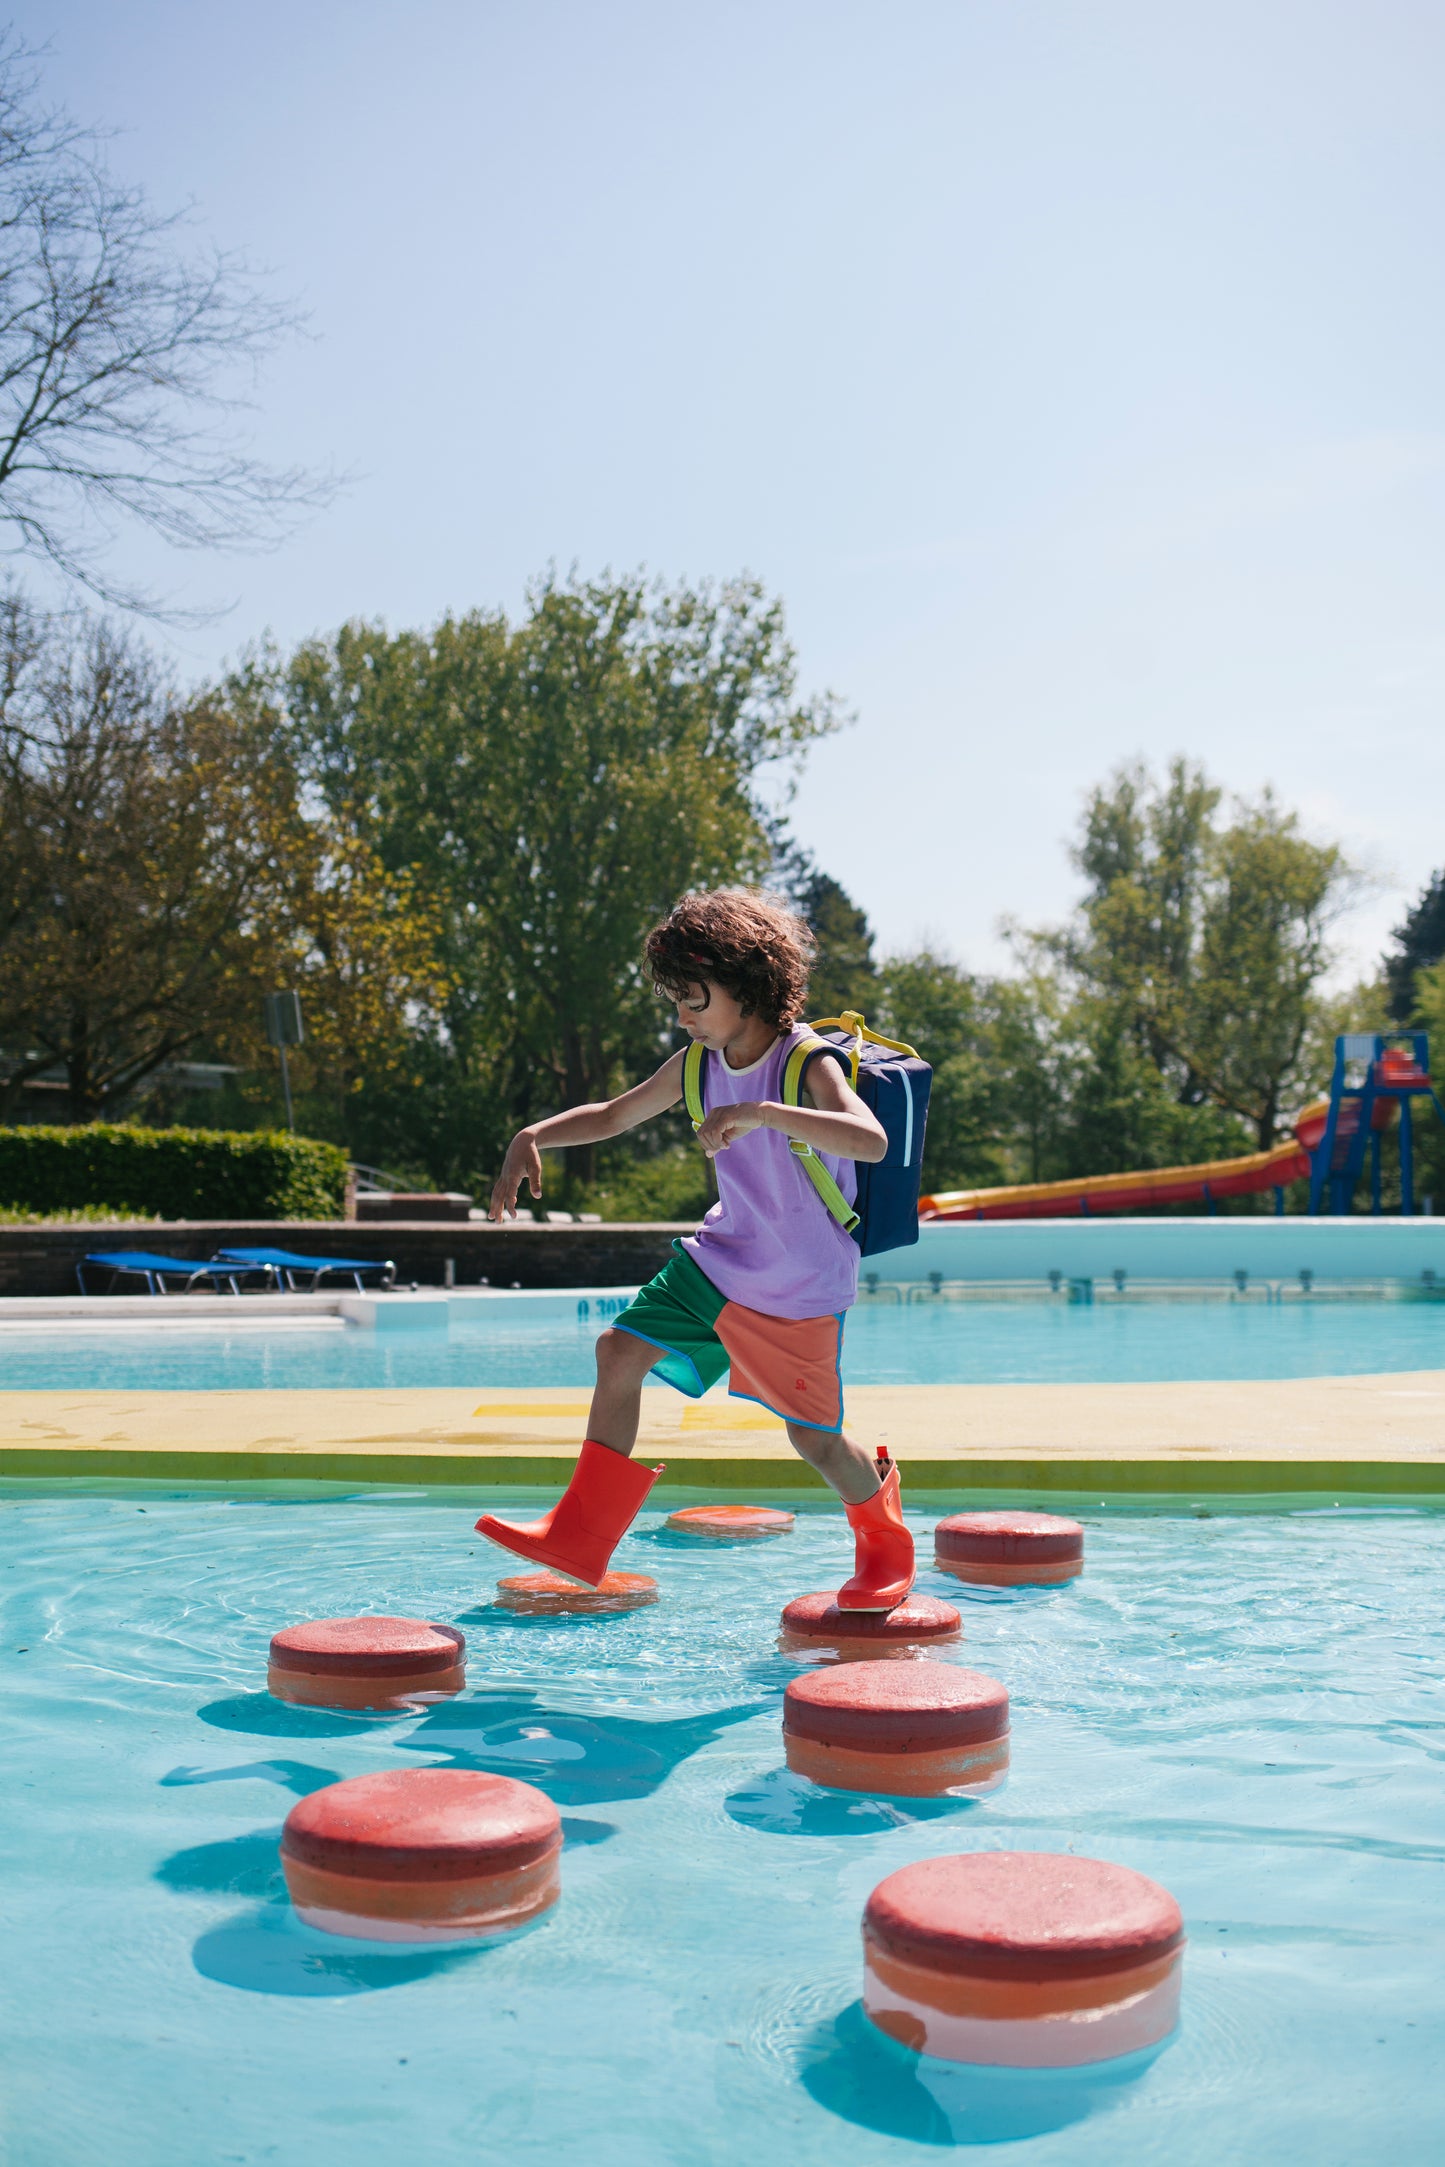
pixel 1407 1161
pixel 284 1028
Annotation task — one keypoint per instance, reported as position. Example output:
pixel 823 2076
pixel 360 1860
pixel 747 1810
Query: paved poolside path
pixel 1375 1434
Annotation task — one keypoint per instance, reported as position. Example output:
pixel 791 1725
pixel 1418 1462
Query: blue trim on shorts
pixel 829 1429
pixel 842 1316
pixel 673 1354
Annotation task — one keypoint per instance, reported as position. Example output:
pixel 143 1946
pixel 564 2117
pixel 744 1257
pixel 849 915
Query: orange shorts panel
pixel 788 1364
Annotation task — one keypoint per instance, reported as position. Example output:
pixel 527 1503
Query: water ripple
pixel 1245 1706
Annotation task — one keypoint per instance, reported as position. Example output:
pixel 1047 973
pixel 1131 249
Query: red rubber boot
pixel 578 1536
pixel 884 1564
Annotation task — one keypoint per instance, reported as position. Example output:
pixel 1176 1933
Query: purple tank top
pixel 770 1242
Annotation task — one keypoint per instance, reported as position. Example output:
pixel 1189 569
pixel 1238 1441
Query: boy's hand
pixel 727 1123
pixel 522 1163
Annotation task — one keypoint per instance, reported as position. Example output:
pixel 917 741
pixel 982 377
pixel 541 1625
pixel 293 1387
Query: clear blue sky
pixel 1074 371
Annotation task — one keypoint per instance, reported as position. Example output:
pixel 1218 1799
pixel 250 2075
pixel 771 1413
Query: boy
pixel 762 1287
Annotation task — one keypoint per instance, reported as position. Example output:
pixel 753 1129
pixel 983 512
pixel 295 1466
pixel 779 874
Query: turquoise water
pixel 926 1343
pixel 1247 1708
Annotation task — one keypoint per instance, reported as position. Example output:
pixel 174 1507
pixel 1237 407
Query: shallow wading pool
pixel 520 1342
pixel 1245 1707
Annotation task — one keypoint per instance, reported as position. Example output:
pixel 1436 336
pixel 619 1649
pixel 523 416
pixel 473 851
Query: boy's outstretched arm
pixel 836 1120
pixel 581 1125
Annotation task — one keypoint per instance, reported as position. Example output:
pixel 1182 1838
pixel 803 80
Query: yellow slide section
pixel 1214 1178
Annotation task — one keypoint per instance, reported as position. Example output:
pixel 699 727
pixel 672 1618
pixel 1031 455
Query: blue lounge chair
pixel 286 1265
pixel 158 1272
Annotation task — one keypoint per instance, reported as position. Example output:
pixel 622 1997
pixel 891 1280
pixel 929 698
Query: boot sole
pixel 537 1555
pixel 873 1609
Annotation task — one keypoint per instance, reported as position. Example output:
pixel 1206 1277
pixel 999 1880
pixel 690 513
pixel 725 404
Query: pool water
pixel 1247 1708
pixel 976 1342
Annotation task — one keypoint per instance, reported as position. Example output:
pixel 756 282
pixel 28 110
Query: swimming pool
pixel 549 1341
pixel 1246 1708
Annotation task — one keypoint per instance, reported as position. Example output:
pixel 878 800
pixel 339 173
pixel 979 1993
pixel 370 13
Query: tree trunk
pixel 581 1164
pixel 77 1068
pixel 581 1159
pixel 1267 1125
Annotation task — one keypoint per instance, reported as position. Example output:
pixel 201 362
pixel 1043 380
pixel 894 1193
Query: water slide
pixel 1203 1184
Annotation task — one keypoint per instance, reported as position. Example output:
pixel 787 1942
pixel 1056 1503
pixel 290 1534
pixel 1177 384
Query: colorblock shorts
pixel 789 1365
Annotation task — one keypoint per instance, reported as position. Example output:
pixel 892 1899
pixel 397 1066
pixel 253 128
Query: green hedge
pixel 173 1173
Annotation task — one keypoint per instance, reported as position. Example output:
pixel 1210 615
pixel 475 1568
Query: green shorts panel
pixel 790 1365
pixel 677 1313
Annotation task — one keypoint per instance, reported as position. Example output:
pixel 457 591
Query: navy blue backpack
pixel 893 1082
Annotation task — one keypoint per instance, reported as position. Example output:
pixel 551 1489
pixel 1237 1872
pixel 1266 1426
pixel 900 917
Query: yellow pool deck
pixel 1378 1435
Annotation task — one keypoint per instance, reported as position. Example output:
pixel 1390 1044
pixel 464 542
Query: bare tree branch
pixel 119 360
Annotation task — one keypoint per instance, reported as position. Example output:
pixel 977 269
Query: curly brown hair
pixel 744 940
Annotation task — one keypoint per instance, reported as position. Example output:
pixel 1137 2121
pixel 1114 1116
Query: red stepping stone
pixel 911 1730
pixel 730 1523
pixel 422 1854
pixel 814 1625
pixel 553 1595
pixel 1009 1549
pixel 1029 1959
pixel 365 1662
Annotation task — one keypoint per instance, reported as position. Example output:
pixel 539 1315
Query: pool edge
pixel 1143 1476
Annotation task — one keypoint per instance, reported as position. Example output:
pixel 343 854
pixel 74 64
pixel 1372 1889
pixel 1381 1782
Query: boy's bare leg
pixel 846 1466
pixel 623 1360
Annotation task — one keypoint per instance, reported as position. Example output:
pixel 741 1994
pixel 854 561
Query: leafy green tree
pixel 933 1003
pixel 671 1183
pixel 121 895
pixel 1144 851
pixel 1116 1113
pixel 1265 947
pixel 1177 1019
pixel 1417 943
pixel 930 1002
pixel 557 783
pixel 1205 942
pixel 1428 1014
pixel 1036 1081
pixel 845 970
pixel 1036 1059
pixel 158 874
pixel 844 973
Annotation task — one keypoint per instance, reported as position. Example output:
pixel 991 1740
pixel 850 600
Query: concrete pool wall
pixel 41 1260
pixel 1181 1249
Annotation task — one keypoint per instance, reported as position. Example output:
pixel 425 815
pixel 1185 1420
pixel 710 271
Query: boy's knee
pixel 621 1351
pixel 812 1444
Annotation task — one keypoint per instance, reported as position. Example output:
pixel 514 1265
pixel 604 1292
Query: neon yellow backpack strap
pixel 692 1083
pixel 813 1166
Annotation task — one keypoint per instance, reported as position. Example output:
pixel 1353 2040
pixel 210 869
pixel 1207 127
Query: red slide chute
pixel 1216 1178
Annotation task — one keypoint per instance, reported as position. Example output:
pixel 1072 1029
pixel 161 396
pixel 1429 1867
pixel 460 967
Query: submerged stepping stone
pixel 1009 1549
pixel 1029 1959
pixel 730 1523
pixel 554 1595
pixel 814 1625
pixel 909 1730
pixel 422 1854
pixel 365 1662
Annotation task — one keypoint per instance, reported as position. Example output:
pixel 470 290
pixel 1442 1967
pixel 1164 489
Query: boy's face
pixel 710 1014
